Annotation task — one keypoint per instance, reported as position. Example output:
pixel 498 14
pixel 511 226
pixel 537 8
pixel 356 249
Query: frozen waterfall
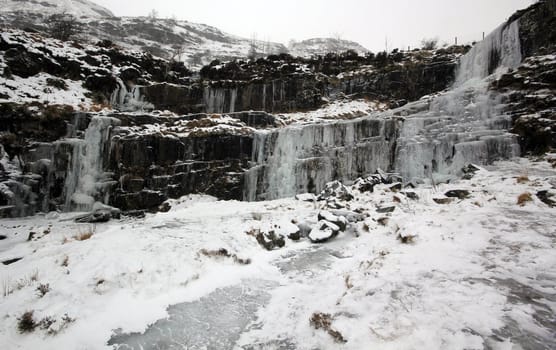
pixel 128 100
pixel 428 139
pixel 86 181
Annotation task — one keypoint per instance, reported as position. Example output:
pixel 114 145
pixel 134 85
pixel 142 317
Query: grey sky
pixel 369 22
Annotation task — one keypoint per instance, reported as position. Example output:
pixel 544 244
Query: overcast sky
pixel 369 22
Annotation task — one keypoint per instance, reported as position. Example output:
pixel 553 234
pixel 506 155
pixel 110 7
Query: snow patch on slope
pixel 78 8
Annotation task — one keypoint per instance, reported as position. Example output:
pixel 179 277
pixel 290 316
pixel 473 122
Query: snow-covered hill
pixel 195 44
pixel 78 8
pixel 321 46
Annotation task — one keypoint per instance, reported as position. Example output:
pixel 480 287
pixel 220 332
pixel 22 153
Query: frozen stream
pixel 217 320
pixel 213 322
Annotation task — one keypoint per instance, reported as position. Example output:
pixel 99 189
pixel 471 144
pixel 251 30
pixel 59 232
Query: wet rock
pixel 460 194
pixel 97 216
pixel 142 200
pixel 547 197
pixel 11 261
pixel 134 214
pixel 323 232
pixel 384 210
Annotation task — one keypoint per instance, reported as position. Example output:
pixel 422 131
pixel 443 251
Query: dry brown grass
pixel 522 179
pixel 83 236
pixel 323 321
pixel 524 198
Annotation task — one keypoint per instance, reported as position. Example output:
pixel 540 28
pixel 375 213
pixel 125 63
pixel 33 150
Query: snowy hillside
pixel 78 8
pixel 195 44
pixel 322 46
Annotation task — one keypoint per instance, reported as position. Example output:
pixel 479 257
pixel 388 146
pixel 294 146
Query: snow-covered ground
pixel 340 109
pixel 475 273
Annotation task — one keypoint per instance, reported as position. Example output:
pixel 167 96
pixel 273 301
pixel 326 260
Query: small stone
pixel 411 195
pixel 383 221
pixel 460 194
pixel 396 187
pixel 384 210
pixel 442 200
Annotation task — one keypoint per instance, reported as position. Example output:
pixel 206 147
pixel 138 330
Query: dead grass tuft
pixel 323 321
pixel 222 252
pixel 26 323
pixel 42 289
pixel 524 198
pixel 407 239
pixel 522 179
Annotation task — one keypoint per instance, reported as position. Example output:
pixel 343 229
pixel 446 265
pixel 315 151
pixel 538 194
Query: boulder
pixel 339 221
pixel 367 184
pixel 323 232
pixel 270 240
pixel 460 194
pixel 335 190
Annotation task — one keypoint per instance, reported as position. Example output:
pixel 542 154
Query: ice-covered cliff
pixel 428 139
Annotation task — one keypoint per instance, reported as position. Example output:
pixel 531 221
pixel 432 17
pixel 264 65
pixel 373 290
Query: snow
pixel 77 8
pixel 36 89
pixel 334 110
pixel 477 273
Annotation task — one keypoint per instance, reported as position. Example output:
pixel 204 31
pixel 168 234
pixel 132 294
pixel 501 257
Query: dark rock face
pixel 402 84
pixel 180 99
pixel 529 93
pixel 531 88
pixel 287 94
pixel 537 28
pixel 152 168
pixel 140 171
